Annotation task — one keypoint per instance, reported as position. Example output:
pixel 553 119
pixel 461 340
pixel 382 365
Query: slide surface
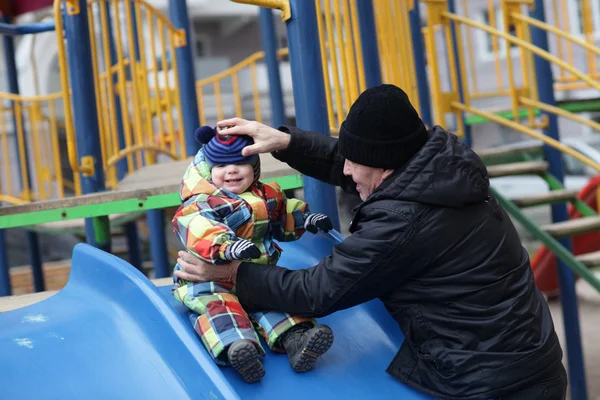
pixel 111 334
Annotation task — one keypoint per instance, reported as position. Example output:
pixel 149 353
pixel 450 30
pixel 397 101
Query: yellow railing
pixel 584 34
pixel 133 49
pixel 341 55
pixel 30 149
pixel 395 46
pixel 232 76
pixel 138 90
pixel 521 97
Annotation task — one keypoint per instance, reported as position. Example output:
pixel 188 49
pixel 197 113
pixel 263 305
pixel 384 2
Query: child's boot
pixel 244 358
pixel 304 345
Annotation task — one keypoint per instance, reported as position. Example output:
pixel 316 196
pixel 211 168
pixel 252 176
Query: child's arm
pixel 203 231
pixel 296 218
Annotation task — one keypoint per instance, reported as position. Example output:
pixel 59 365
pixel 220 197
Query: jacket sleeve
pixel 202 230
pixel 317 156
pixel 368 264
pixel 291 214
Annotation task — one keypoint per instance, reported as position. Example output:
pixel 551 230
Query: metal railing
pixel 522 97
pixel 396 46
pixel 31 167
pixel 136 84
pixel 574 18
pixel 230 77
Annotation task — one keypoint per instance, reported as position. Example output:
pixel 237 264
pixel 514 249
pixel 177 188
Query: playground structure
pixel 128 96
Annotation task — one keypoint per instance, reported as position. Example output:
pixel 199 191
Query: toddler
pixel 228 214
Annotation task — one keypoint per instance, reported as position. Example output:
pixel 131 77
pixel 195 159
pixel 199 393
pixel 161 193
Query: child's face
pixel 235 178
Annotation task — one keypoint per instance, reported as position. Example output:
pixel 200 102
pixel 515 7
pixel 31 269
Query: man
pixel 429 240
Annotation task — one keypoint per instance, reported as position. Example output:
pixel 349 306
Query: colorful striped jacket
pixel 211 218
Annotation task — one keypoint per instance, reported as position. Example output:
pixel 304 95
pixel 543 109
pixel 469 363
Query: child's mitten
pixel 316 221
pixel 242 249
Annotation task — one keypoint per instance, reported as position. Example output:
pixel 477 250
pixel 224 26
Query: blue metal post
pixel 368 39
pixel 178 13
pixel 466 128
pixel 269 41
pixel 131 231
pixel 309 96
pixel 420 64
pixel 568 296
pixel 85 115
pixel 35 257
pixel 5 287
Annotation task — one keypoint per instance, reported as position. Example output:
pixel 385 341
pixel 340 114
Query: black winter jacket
pixel 435 246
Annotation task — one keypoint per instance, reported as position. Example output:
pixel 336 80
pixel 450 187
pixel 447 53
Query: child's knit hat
pixel 224 150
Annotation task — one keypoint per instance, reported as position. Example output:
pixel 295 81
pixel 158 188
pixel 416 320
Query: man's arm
pixel 317 156
pixel 368 264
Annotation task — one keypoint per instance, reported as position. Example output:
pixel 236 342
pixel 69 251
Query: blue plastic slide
pixel 111 334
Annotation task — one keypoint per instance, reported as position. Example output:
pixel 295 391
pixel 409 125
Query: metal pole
pixel 309 96
pixel 269 41
pixel 368 38
pixel 466 128
pixel 131 230
pixel 5 287
pixel 85 114
pixel 420 64
pixel 35 258
pixel 178 13
pixel 568 296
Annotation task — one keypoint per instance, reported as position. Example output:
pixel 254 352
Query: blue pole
pixel 368 38
pixel 466 128
pixel 269 41
pixel 178 13
pixel 87 134
pixel 35 257
pixel 5 287
pixel 131 231
pixel 568 296
pixel 309 96
pixel 420 65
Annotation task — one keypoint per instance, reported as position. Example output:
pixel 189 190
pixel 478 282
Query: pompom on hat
pixel 225 150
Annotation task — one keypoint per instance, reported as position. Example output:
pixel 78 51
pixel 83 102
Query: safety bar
pixel 26 29
pixel 283 5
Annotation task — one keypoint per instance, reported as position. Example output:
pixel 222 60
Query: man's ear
pixel 387 173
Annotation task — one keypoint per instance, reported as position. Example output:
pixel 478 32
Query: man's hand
pixel 195 270
pixel 266 139
pixel 317 221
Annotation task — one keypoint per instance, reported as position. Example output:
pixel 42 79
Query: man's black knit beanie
pixel 382 129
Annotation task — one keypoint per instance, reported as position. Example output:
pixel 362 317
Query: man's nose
pixel 346 168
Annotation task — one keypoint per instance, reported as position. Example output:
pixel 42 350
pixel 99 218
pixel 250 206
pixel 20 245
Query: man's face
pixel 366 178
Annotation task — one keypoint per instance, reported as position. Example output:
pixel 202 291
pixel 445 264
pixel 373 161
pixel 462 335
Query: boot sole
pixel 319 342
pixel 244 358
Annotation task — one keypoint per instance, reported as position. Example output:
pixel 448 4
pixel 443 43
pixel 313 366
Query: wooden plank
pixel 156 186
pixel 590 259
pixel 169 174
pixel 9 303
pixel 519 168
pixel 573 227
pixel 550 197
pixel 506 151
pixel 153 180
